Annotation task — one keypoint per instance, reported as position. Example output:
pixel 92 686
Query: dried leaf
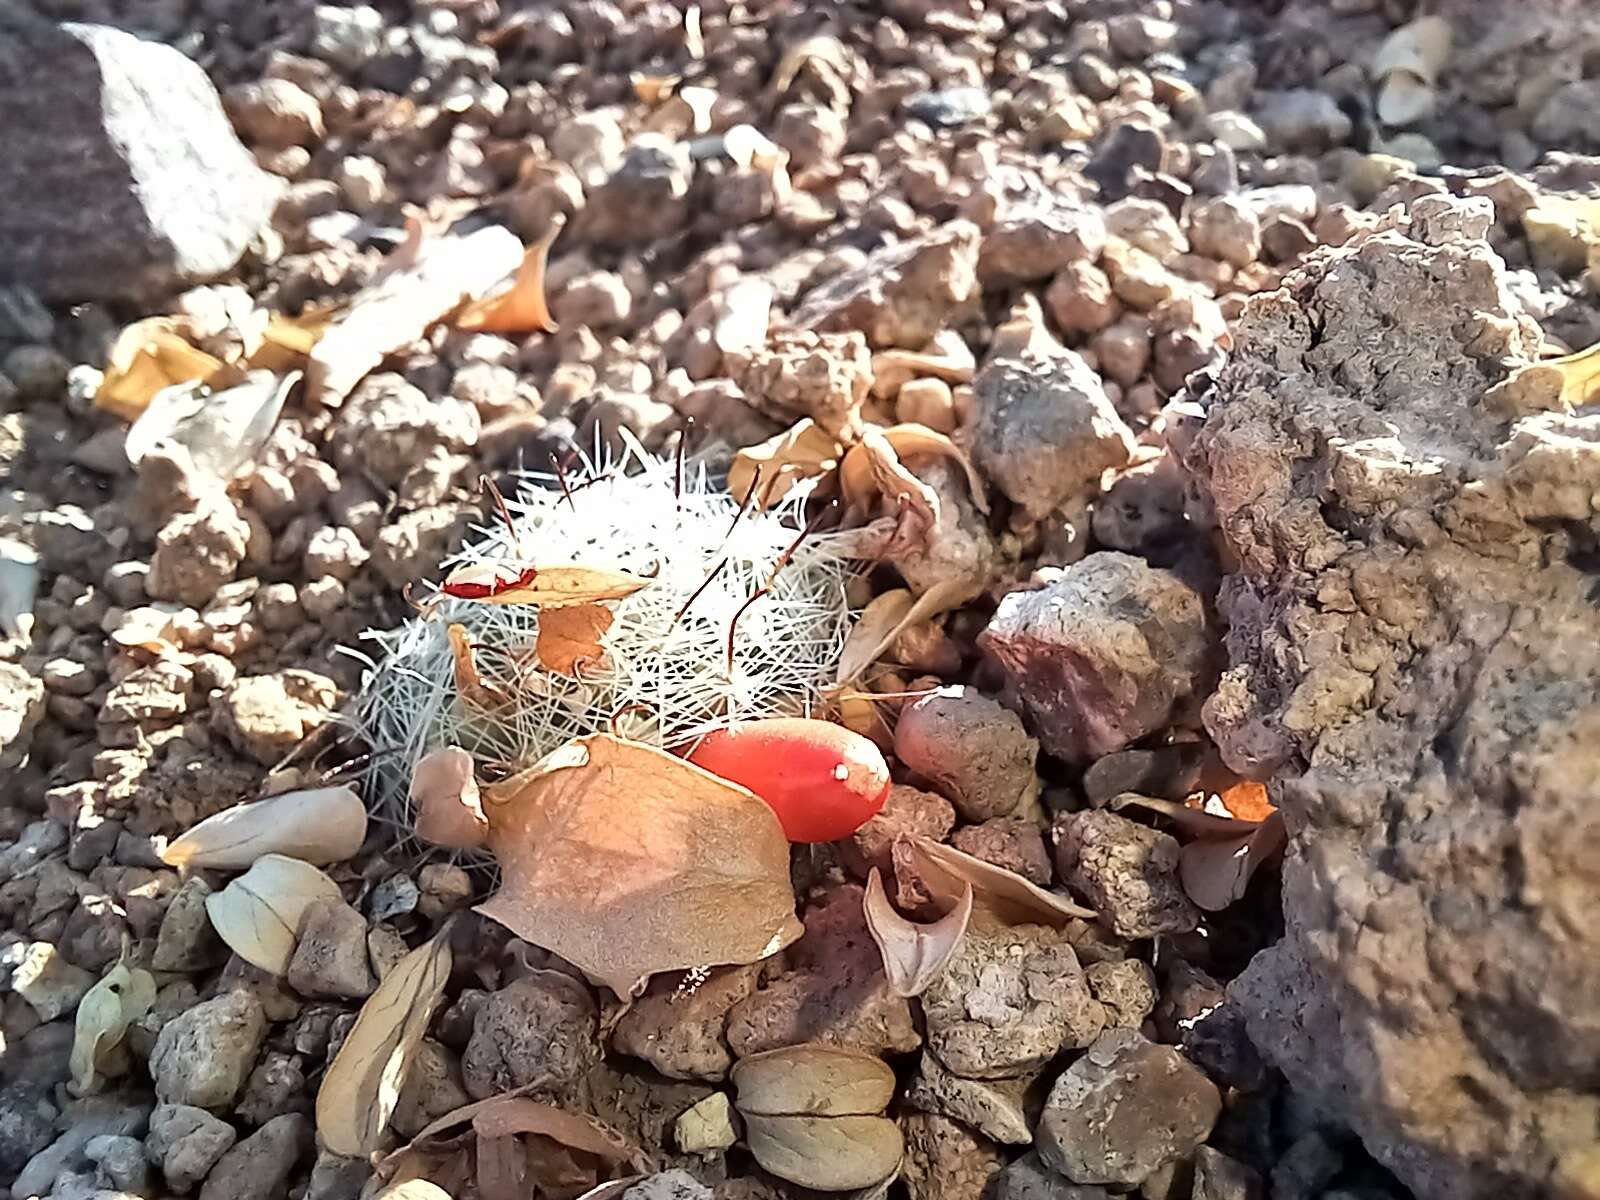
pixel 911 440
pixel 802 452
pixel 259 914
pixel 549 587
pixel 403 301
pixel 445 797
pixel 502 1168
pixel 653 89
pixel 824 49
pixel 1579 373
pixel 698 876
pixel 812 1080
pixel 1215 872
pixel 122 996
pixel 362 1084
pixel 832 1154
pixel 508 1115
pixel 913 955
pixel 148 356
pixel 871 467
pixel 470 683
pixel 521 308
pixel 316 825
pixel 287 341
pixel 571 636
pixel 1193 821
pixel 874 631
pixel 413 1189
pixel 998 896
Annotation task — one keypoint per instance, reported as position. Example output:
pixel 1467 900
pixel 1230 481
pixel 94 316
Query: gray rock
pixel 1104 654
pixel 903 294
pixel 334 1177
pixel 1218 1177
pixel 993 1108
pixel 972 748
pixel 120 1160
pixel 1029 1179
pixel 1414 639
pixel 645 198
pixel 259 1167
pixel 330 959
pixel 1008 1002
pixel 187 941
pixel 27 1124
pixel 81 1123
pixel 1124 1110
pixel 203 1056
pixel 1043 428
pixel 669 1185
pixel 1301 119
pixel 1125 987
pixel 1567 117
pixel 538 1031
pixel 49 984
pixel 186 1142
pixel 162 192
pixel 949 106
pixel 196 553
pixel 1127 870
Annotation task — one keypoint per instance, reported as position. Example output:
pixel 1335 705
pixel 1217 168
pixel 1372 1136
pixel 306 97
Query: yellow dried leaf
pixel 510 1115
pixel 521 308
pixel 627 861
pixel 362 1084
pixel 315 825
pixel 569 638
pixel 259 914
pixel 805 451
pixel 653 89
pixel 549 587
pixel 287 341
pixel 470 683
pixel 147 356
pixel 874 631
pixel 812 1080
pixel 999 897
pixel 913 954
pixel 122 996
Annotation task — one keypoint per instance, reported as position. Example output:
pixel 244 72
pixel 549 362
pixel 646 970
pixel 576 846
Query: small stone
pixel 120 1160
pixel 1080 299
pixel 432 1088
pixel 203 1056
pixel 50 1171
pixel 1104 654
pixel 645 198
pixel 197 552
pixel 972 748
pixel 907 811
pixel 1218 1177
pixel 1129 148
pixel 1285 240
pixel 1127 989
pixel 1008 1002
pixel 1236 131
pixel 266 716
pixel 1306 1168
pixel 276 1086
pixel 599 299
pixel 1145 512
pixel 1124 1110
pixel 1122 350
pixel 336 551
pixel 1136 36
pixel 49 984
pixel 707 1128
pixel 944 1160
pixel 347 37
pixel 274 113
pixel 1128 871
pixel 927 402
pixel 1301 119
pixel 259 1167
pixel 40 372
pixel 1036 243
pixel 993 1108
pixel 669 1185
pixel 538 1031
pixel 1168 772
pixel 1011 843
pixel 27 1124
pixel 334 1177
pixel 330 959
pixel 948 107
pixel 821 376
pixel 679 1030
pixel 1227 229
pixel 1029 1179
pixel 187 941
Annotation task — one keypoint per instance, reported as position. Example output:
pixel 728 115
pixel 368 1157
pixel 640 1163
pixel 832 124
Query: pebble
pixel 538 1032
pixel 203 1056
pixel 679 1031
pixel 1035 243
pixel 42 977
pixel 1012 843
pixel 993 1108
pixel 945 1160
pixel 81 1122
pixel 973 749
pixel 1127 870
pixel 330 959
pixel 906 811
pixel 1124 1110
pixel 1218 1177
pixel 949 107
pixel 187 941
pixel 259 1167
pixel 1029 1179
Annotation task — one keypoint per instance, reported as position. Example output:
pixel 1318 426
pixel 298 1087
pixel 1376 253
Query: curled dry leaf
pixel 804 451
pixel 470 683
pixel 871 467
pixel 259 914
pixel 316 825
pixel 521 308
pixel 122 996
pixel 831 1154
pixel 627 861
pixel 880 624
pixel 569 638
pixel 812 1079
pixel 1570 381
pixel 445 797
pixel 1217 872
pixel 147 357
pixel 999 897
pixel 510 1115
pixel 362 1084
pixel 913 955
pixel 549 587
pixel 911 440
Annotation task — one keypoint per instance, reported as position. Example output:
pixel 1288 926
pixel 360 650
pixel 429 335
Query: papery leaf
pixel 315 825
pixel 545 586
pixel 804 451
pixel 470 683
pixel 913 954
pixel 1195 822
pixel 521 308
pixel 122 996
pixel 1215 873
pixel 871 467
pixel 627 861
pixel 998 896
pixel 570 636
pixel 147 357
pixel 911 440
pixel 362 1084
pixel 259 914
pixel 446 800
pixel 502 1168
pixel 875 631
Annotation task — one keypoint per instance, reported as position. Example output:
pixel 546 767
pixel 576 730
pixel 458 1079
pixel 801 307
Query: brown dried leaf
pixel 445 798
pixel 653 89
pixel 804 451
pixel 403 302
pixel 913 955
pixel 871 467
pixel 812 1079
pixel 833 1154
pixel 874 631
pixel 362 1084
pixel 147 356
pixel 627 861
pixel 911 440
pixel 1215 872
pixel 521 308
pixel 287 341
pixel 315 825
pixel 549 587
pixel 998 896
pixel 570 636
pixel 502 1168
pixel 470 683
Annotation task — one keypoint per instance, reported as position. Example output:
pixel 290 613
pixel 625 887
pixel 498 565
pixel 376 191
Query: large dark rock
pixel 121 176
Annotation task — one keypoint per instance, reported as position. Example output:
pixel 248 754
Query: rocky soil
pixel 1243 315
